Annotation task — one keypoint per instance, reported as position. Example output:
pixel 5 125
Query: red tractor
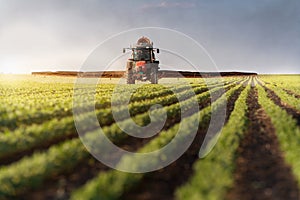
pixel 142 64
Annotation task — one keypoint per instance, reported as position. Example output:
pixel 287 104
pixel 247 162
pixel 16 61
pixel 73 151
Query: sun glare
pixel 11 70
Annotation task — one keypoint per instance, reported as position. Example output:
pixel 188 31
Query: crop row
pixel 213 174
pixel 36 99
pixel 36 112
pixel 286 128
pixel 25 138
pixel 285 97
pixel 288 82
pixel 18 176
pixel 119 182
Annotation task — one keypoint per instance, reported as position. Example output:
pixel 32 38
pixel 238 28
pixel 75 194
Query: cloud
pixel 258 35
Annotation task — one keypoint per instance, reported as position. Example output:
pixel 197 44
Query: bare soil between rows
pixel 44 145
pixel 292 93
pixel 162 184
pixel 61 185
pixel 261 172
pixel 277 100
pixel 10 158
pixel 170 122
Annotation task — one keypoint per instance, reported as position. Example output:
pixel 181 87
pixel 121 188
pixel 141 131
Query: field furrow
pixel 38 137
pixel 58 108
pixel 156 181
pixel 61 154
pixel 285 106
pixel 287 131
pixel 263 174
pixel 96 187
pixel 212 175
pixel 237 137
pixel 130 144
pixel 45 108
pixel 292 93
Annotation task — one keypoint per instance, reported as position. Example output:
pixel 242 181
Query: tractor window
pixel 141 54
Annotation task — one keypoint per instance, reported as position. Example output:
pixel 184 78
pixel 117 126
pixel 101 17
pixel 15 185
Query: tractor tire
pixel 153 75
pixel 130 78
pixel 129 73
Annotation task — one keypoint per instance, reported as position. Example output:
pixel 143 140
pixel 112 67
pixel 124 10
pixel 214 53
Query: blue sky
pixel 256 35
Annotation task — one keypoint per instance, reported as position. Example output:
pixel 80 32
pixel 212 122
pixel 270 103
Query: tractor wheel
pixel 129 72
pixel 130 78
pixel 153 75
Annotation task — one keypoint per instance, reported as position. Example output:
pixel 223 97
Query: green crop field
pixel 255 153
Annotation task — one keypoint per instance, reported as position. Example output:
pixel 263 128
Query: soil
pixel 60 186
pixel 261 172
pixel 161 184
pixel 292 93
pixel 276 99
pixel 10 158
pixel 169 123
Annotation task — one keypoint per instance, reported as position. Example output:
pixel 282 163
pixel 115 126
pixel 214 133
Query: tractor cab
pixel 141 54
pixel 142 65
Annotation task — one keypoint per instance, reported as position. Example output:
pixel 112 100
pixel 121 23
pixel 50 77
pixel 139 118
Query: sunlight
pixel 9 70
pixel 10 66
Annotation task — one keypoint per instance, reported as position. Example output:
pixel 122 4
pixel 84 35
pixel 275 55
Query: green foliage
pixel 288 82
pixel 97 187
pixel 20 176
pixel 28 137
pixel 34 112
pixel 286 98
pixel 287 131
pixel 30 172
pixel 213 175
